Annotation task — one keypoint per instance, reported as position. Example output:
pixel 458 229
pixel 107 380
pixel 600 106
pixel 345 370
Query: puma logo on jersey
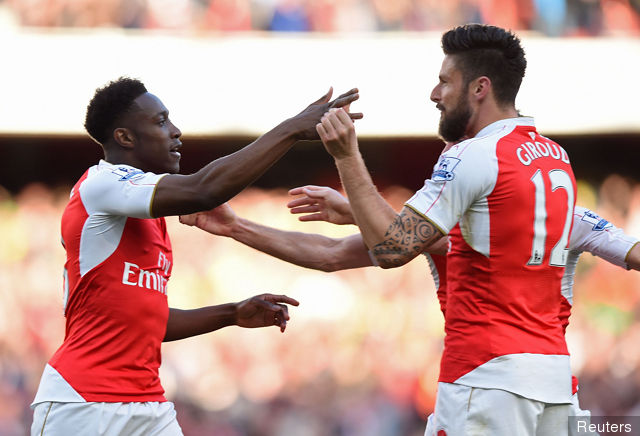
pixel 530 151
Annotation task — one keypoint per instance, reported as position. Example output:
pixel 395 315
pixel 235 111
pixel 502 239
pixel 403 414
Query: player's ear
pixel 480 87
pixel 123 136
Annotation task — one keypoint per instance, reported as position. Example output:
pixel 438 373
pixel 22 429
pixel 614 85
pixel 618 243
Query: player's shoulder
pixel 587 225
pixel 119 172
pixel 468 157
pixel 473 150
pixel 105 173
pixel 105 177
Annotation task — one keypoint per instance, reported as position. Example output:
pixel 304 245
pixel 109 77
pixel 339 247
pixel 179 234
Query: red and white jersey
pixel 512 192
pixel 590 233
pixel 115 291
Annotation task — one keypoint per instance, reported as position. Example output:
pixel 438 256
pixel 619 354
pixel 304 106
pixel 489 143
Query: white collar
pixel 505 123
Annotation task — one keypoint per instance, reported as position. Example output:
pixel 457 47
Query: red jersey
pixel 512 192
pixel 115 297
pixel 590 233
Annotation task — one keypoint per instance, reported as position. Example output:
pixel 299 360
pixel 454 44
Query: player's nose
pixel 175 131
pixel 435 94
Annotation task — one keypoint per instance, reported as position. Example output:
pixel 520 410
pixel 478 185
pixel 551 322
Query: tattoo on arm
pixel 405 239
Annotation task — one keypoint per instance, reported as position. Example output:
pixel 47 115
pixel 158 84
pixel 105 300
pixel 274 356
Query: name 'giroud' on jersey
pixel 530 151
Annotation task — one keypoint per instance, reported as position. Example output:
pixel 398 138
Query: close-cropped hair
pixel 108 105
pixel 484 50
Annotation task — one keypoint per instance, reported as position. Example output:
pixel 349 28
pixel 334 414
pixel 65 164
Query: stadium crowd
pixel 549 17
pixel 360 355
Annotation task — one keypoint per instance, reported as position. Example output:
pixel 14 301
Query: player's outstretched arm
pixel 260 311
pixel 320 203
pixel 393 238
pixel 598 236
pixel 223 178
pixel 303 249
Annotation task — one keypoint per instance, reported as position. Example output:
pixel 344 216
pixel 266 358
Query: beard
pixel 453 125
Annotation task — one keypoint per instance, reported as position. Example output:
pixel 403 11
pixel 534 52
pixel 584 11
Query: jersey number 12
pixel 559 179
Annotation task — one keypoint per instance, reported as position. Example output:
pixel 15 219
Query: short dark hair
pixel 108 104
pixel 483 50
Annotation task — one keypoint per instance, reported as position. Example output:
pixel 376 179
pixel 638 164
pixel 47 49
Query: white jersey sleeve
pixel 599 237
pixel 462 177
pixel 119 190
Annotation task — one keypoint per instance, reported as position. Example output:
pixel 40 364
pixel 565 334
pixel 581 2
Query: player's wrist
pixel 294 128
pixel 348 158
pixel 232 313
pixel 239 228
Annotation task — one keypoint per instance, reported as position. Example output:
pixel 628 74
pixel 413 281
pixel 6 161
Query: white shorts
pixel 466 411
pixel 582 414
pixel 105 419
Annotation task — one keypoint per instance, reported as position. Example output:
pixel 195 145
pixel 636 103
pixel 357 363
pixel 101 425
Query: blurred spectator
pixel 170 14
pixel 290 16
pixel 391 15
pixel 228 15
pixel 132 15
pixel 355 16
pixel 503 13
pixel 551 16
pixel 433 14
pixel 584 18
pixel 322 15
pixel 619 18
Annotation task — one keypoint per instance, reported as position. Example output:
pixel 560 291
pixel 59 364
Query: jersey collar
pixel 507 123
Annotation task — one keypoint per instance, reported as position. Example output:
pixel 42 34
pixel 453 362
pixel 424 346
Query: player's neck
pixel 489 114
pixel 116 158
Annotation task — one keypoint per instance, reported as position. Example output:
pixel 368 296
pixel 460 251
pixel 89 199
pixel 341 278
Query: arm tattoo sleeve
pixel 405 239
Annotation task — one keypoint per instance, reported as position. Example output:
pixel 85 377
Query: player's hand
pixel 219 221
pixel 264 310
pixel 307 119
pixel 338 134
pixel 320 203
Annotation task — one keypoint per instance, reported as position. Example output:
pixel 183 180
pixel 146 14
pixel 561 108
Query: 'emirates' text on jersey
pixel 512 192
pixel 118 263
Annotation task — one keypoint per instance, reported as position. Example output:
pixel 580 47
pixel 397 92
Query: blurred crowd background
pixel 360 356
pixel 549 17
